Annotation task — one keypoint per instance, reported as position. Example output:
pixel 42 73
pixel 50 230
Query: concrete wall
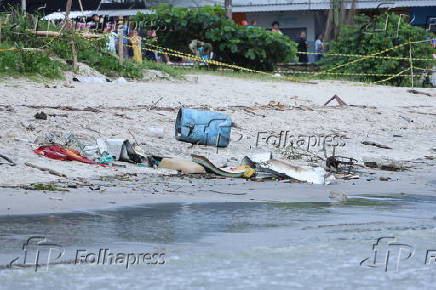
pixel 288 19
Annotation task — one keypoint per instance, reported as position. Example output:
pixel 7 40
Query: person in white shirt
pixel 319 47
pixel 276 27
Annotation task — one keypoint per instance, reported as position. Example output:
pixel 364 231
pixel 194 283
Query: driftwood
pixel 45 169
pixel 339 100
pixel 412 91
pixel 58 34
pixel 376 144
pixel 9 161
pixel 63 108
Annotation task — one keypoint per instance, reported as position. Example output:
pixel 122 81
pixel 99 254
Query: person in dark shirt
pixel 302 47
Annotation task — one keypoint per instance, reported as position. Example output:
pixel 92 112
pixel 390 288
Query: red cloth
pixel 63 154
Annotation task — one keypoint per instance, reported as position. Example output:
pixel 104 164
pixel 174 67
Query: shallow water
pixel 234 245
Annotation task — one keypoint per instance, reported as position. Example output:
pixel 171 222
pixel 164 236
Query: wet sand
pixel 143 189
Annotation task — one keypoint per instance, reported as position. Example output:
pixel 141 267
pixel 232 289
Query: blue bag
pixel 203 127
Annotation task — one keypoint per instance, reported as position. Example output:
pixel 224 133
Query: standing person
pixel 319 47
pixel 252 24
pixel 302 48
pixel 275 27
pixel 135 41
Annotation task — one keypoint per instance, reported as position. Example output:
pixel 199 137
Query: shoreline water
pixel 157 189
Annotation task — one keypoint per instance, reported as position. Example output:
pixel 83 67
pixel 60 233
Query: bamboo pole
pixel 70 27
pixel 411 64
pixel 121 44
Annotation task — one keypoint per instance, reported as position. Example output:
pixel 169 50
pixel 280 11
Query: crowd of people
pixel 302 45
pixel 138 40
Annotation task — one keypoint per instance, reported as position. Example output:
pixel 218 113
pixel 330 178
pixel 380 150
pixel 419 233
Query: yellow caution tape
pixel 424 69
pixel 391 77
pixel 176 53
pixel 344 74
pixel 173 52
pixel 376 57
pixel 372 55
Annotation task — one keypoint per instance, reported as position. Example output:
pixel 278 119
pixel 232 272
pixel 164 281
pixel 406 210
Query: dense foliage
pixel 369 36
pixel 15 33
pixel 248 47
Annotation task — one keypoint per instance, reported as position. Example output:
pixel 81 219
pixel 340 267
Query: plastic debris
pixel 203 127
pixel 63 154
pixel 203 161
pixel 184 166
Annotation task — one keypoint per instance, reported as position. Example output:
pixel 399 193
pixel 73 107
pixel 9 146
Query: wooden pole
pixel 71 28
pixel 228 8
pixel 74 49
pixel 23 6
pixel 121 44
pixel 411 64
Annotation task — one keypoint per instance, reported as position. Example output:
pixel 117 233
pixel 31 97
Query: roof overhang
pixel 88 13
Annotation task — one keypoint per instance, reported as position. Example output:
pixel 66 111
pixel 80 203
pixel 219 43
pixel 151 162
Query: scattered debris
pixel 156 132
pixel 209 167
pixel 375 144
pixel 406 119
pixel 46 187
pixel 91 80
pixel 340 163
pixel 6 108
pixel 385 178
pixel 383 164
pixel 124 116
pixel 62 153
pixel 315 175
pixel 413 91
pixel 63 108
pixel 41 116
pixel 56 198
pixel 347 176
pixel 342 197
pixel 9 161
pixel 203 127
pixel 120 149
pixel 230 193
pixel 181 165
pixel 58 115
pixel 338 100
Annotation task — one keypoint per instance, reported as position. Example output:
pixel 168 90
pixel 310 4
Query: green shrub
pixel 248 47
pixel 369 36
pixel 29 64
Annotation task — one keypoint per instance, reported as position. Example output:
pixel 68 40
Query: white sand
pixel 357 123
pixel 378 122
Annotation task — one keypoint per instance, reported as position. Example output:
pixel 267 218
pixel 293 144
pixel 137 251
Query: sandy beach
pixel 390 116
